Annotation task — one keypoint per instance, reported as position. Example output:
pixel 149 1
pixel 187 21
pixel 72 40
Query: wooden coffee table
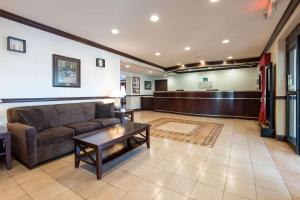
pixel 89 147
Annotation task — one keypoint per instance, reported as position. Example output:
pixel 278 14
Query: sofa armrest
pixel 24 143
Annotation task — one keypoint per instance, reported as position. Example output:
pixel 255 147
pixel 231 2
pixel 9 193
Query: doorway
pixel 161 85
pixel 292 89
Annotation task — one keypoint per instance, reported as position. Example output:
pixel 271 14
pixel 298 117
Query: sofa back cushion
pixel 34 118
pixel 59 114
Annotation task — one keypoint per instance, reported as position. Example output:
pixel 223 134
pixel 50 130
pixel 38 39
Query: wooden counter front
pixel 239 104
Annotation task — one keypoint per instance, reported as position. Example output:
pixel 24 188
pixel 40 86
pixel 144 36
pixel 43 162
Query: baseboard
pixel 281 138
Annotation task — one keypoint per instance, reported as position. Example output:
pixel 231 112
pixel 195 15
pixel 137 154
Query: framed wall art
pixel 100 62
pixel 16 44
pixel 135 85
pixel 66 71
pixel 147 85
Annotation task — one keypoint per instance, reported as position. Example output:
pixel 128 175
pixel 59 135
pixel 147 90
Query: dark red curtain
pixel 264 61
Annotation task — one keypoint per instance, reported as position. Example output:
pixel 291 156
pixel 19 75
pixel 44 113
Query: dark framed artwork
pixel 135 85
pixel 100 62
pixel 16 44
pixel 66 71
pixel 147 85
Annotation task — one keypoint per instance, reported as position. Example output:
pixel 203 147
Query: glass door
pixel 292 110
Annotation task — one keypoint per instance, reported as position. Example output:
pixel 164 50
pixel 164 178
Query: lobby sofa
pixel 32 146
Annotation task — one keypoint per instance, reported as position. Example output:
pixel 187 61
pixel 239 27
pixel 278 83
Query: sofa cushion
pixel 89 110
pixel 84 127
pixel 105 110
pixel 70 113
pixel 107 121
pixel 54 135
pixel 34 118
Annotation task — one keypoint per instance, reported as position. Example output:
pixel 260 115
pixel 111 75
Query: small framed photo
pixel 16 44
pixel 100 62
pixel 147 85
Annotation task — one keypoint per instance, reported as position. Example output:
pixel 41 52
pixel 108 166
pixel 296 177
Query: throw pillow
pixel 105 110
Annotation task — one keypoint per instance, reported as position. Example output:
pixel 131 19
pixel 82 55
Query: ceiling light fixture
pixel 229 57
pixel 150 72
pixel 202 62
pixel 154 18
pixel 182 65
pixel 226 41
pixel 187 48
pixel 165 75
pixel 115 31
pixel 127 66
pixel 157 54
pixel 224 62
pixel 213 1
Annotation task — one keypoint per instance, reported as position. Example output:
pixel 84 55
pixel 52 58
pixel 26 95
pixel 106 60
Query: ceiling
pixel 196 23
pixel 137 69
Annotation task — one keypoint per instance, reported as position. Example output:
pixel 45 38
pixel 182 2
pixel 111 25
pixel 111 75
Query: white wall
pixel 233 79
pixel 30 75
pixel 134 102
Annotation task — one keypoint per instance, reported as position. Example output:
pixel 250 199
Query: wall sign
pixel 205 84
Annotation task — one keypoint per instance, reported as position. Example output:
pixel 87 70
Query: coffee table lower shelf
pixel 92 154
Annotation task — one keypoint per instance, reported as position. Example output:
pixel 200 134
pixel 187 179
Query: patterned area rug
pixel 188 131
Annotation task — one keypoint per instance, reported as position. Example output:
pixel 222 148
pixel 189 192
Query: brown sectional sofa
pixel 65 121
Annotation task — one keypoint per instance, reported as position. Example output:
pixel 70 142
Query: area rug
pixel 188 131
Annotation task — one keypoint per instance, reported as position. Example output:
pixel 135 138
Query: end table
pixel 122 114
pixel 5 146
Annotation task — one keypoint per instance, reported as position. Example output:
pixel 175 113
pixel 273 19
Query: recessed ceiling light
pixel 178 64
pixel 226 41
pixel 154 18
pixel 127 66
pixel 202 62
pixel 157 54
pixel 182 65
pixel 229 57
pixel 187 48
pixel 150 72
pixel 165 75
pixel 115 31
pixel 213 1
pixel 224 62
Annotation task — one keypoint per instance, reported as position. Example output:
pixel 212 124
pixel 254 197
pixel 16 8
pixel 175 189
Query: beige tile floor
pixel 241 165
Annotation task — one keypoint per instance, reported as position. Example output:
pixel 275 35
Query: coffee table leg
pixel 77 155
pixel 8 151
pixel 99 163
pixel 148 138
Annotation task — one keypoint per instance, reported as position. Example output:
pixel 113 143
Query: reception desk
pixel 238 104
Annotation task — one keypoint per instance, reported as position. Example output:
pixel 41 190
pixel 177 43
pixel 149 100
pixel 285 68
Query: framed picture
pixel 15 44
pixel 147 85
pixel 66 71
pixel 100 62
pixel 135 85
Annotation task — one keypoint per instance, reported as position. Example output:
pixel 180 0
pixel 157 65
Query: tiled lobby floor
pixel 241 165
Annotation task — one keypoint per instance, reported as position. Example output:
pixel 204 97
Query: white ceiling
pixel 138 69
pixel 196 23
